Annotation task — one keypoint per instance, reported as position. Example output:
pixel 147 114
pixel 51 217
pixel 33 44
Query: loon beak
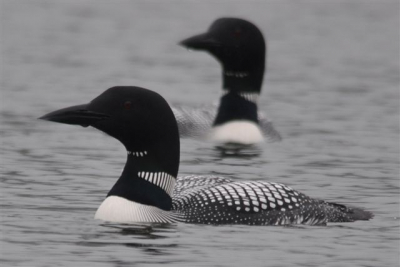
pixel 201 41
pixel 76 115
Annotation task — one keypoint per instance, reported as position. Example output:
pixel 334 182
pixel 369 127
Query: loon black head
pixel 144 123
pixel 240 47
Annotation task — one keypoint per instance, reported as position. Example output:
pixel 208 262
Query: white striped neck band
pixel 161 179
pixel 237 74
pixel 137 153
pixel 249 96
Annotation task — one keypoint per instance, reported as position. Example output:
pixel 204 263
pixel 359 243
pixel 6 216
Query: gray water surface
pixel 331 89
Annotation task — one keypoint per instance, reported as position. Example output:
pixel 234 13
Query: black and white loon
pixel 148 189
pixel 240 48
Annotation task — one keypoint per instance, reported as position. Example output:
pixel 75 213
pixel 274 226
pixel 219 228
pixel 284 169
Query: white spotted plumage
pixel 204 199
pixel 217 200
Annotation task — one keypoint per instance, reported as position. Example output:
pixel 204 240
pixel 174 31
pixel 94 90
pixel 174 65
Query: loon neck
pixel 243 81
pixel 234 107
pixel 144 181
pixel 247 95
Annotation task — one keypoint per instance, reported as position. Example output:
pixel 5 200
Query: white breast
pixel 242 132
pixel 118 209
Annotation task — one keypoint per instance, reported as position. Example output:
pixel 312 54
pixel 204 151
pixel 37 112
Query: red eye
pixel 237 32
pixel 127 105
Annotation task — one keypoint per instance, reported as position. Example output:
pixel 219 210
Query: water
pixel 331 89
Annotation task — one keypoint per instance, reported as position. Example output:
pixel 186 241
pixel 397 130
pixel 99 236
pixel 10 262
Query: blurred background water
pixel 331 89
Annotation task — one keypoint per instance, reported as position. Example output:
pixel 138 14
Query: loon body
pixel 198 123
pixel 148 190
pixel 240 48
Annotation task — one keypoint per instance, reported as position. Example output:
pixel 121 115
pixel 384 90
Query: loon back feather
pixel 148 189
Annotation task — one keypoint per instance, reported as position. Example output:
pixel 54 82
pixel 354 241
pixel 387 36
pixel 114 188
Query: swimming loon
pixel 240 47
pixel 148 189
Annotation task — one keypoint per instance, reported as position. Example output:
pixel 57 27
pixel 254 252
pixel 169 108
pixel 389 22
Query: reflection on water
pixel 146 231
pixel 238 150
pixel 142 236
pixel 331 89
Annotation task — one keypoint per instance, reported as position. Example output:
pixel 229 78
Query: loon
pixel 240 47
pixel 149 190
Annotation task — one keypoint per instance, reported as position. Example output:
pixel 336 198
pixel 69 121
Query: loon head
pixel 240 47
pixel 144 123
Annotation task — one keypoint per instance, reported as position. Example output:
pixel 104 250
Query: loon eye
pixel 127 105
pixel 237 32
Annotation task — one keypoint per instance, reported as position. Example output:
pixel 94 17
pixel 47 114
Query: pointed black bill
pixel 201 41
pixel 76 115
